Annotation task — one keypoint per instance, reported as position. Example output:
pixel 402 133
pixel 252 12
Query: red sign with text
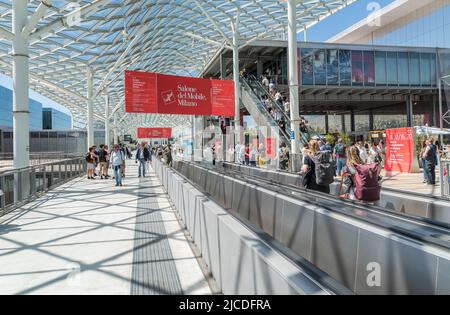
pixel 147 92
pixel 271 147
pixel 399 150
pixel 154 133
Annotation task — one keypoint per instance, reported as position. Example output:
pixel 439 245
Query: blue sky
pixel 338 22
pixel 320 32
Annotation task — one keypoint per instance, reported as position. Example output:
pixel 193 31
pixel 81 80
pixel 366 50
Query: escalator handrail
pixel 266 93
pixel 266 112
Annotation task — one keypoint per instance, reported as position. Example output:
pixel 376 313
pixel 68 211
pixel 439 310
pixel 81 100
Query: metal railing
pixel 36 158
pixel 20 186
pixel 445 165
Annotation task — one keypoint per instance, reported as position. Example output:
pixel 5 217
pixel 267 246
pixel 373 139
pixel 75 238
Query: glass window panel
pixel 307 66
pixel 392 78
pixel 433 70
pixel 414 69
pixel 320 68
pixel 357 68
pixel 403 73
pixel 345 67
pixel 332 67
pixel 369 68
pixel 425 69
pixel 362 122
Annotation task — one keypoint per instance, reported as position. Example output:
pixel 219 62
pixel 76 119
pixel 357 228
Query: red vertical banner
pixel 140 92
pixel 400 150
pixel 222 96
pixel 271 147
pixel 154 133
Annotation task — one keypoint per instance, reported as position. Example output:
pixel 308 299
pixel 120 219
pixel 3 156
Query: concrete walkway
pixel 89 237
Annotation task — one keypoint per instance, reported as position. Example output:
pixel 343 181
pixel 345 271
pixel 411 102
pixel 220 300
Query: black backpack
pixel 324 169
pixel 88 158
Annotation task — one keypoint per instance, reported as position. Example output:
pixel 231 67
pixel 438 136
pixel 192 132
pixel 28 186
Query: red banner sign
pixel 399 150
pixel 147 92
pixel 154 133
pixel 271 147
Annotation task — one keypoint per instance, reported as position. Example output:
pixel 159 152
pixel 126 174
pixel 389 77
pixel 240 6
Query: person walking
pixel 102 158
pixel 91 158
pixel 429 156
pixel 318 169
pixel 116 160
pixel 340 155
pixel 142 156
pixel 360 181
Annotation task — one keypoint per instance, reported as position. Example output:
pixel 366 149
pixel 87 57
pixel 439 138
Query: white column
pixel 90 107
pixel 21 114
pixel 193 137
pixel 293 81
pixel 107 140
pixel 115 129
pixel 237 86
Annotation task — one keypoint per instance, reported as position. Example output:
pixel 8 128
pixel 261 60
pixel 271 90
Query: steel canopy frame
pixel 159 36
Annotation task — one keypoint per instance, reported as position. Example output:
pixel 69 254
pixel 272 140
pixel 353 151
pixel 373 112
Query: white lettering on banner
pixel 188 96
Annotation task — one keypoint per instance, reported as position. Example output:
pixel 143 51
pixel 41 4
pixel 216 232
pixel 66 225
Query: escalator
pixel 253 93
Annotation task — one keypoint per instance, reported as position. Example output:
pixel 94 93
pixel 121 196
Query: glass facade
pixel 334 67
pixel 6 107
pixel 40 118
pixel 425 27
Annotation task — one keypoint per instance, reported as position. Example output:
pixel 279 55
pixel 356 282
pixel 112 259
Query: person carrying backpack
pixel 318 169
pixel 117 158
pixel 360 181
pixel 340 156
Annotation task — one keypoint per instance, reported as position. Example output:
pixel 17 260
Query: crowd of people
pixel 104 158
pixel 358 166
pixel 100 160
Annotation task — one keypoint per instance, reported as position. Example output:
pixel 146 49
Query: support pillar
pixel 115 132
pixel 223 67
pixel 237 86
pixel 21 113
pixel 327 123
pixel 409 111
pixel 90 108
pixel 193 138
pixel 433 119
pixel 107 140
pixel 371 124
pixel 352 121
pixel 344 129
pixel 293 85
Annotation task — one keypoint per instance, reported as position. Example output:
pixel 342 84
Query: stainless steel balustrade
pixel 19 186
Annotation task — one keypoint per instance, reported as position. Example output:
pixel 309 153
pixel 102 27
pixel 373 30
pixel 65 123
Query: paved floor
pixel 89 237
pixel 411 182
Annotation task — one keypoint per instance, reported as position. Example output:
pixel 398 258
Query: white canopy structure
pixel 76 52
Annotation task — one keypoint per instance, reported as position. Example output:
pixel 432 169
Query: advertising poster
pixel 357 68
pixel 320 68
pixel 167 94
pixel 154 133
pixel 307 66
pixel 332 67
pixel 369 68
pixel 345 66
pixel 400 150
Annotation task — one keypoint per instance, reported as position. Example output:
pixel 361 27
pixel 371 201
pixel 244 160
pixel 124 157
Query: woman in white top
pixel 374 154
